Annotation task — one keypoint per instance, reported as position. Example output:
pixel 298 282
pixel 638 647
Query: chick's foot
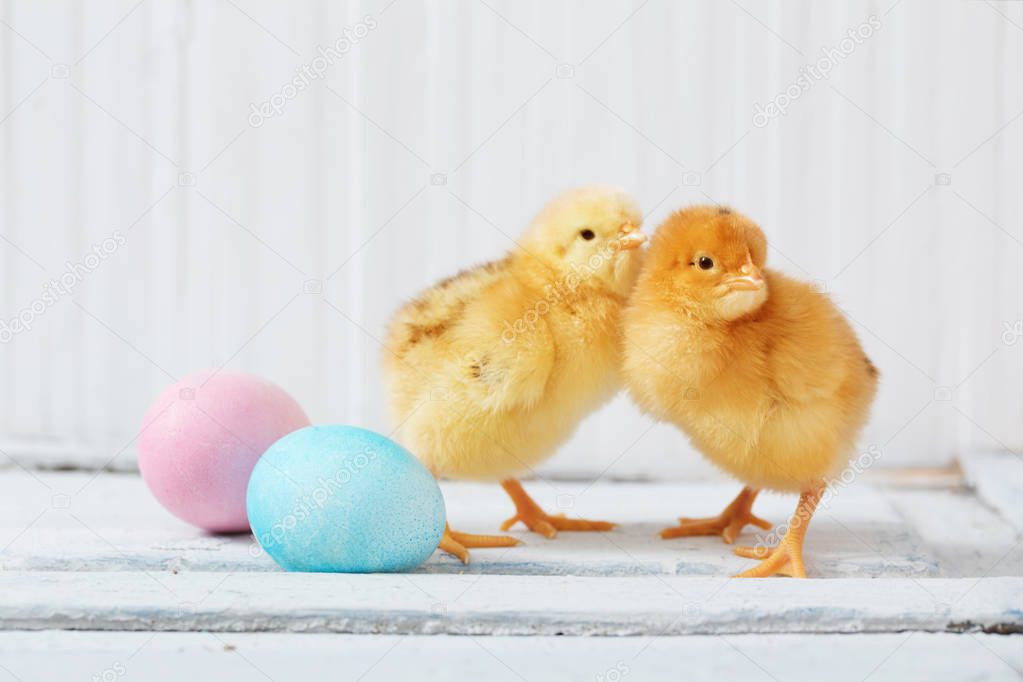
pixel 787 558
pixel 728 524
pixel 458 544
pixel 537 520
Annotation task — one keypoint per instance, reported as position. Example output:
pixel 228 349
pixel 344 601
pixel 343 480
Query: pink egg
pixel 201 439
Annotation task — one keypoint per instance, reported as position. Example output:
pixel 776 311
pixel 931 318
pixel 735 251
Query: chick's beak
pixel 750 279
pixel 629 237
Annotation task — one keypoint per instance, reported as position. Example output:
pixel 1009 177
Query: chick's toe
pixel 537 520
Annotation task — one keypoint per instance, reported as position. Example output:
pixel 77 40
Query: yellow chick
pixel 488 372
pixel 762 372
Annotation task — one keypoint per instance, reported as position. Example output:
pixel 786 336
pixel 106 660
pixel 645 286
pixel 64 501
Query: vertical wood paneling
pixel 357 353
pixel 193 288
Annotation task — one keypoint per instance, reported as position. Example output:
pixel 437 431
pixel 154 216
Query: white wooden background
pixel 282 249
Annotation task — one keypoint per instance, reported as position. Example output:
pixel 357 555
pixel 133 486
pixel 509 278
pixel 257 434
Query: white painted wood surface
pixel 82 551
pixel 96 578
pixel 998 478
pixel 502 604
pixel 169 657
pixel 110 111
pixel 75 522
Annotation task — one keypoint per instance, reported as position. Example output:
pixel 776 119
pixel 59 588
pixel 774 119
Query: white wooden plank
pixel 998 479
pixel 962 535
pixel 74 521
pixel 500 604
pixel 170 657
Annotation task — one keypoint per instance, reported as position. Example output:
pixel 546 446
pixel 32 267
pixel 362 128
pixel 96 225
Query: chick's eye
pixel 705 263
pixel 587 234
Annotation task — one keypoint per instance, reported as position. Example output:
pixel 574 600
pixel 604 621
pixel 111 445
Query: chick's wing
pixel 811 350
pixel 508 349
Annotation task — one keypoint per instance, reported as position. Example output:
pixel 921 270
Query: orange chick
pixel 761 372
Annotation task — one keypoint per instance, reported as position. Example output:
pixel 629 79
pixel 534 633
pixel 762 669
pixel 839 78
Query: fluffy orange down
pixel 761 372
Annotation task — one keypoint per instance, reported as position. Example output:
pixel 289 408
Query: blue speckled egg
pixel 344 499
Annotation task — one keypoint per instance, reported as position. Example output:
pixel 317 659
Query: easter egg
pixel 343 499
pixel 201 438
